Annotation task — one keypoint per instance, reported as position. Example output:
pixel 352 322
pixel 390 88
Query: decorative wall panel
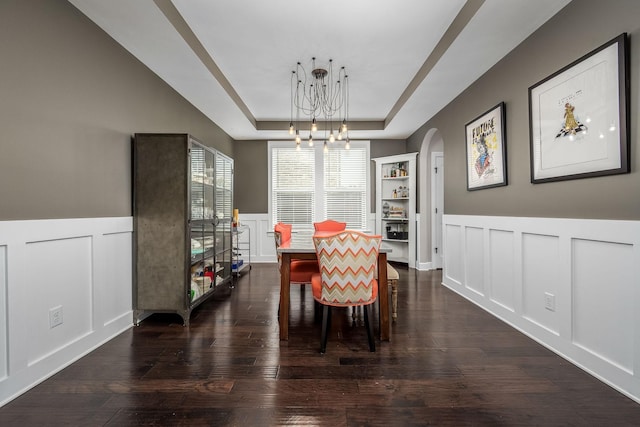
pixel 68 287
pixel 114 295
pixel 474 250
pixel 62 280
pixel 501 265
pixel 603 300
pixel 541 279
pixel 453 258
pixel 571 284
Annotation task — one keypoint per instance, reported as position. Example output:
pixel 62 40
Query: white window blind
pixel 293 186
pixel 310 185
pixel 345 186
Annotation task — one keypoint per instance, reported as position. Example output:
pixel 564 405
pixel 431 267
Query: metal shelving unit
pixel 241 255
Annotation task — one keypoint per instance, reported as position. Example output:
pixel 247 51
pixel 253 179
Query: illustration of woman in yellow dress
pixel 571 125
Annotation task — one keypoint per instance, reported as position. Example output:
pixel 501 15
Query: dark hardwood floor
pixel 449 364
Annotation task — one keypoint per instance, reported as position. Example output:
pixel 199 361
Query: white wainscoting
pixel 573 285
pixel 82 266
pixel 261 235
pixel 263 248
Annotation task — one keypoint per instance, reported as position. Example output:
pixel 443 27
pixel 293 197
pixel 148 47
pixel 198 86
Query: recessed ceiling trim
pixel 322 125
pixel 461 20
pixel 180 25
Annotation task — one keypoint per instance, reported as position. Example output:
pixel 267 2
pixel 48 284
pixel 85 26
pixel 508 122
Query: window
pixel 309 185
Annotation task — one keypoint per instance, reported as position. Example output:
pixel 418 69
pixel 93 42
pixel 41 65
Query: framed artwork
pixel 578 117
pixel 487 150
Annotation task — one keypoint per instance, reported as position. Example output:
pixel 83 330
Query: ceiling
pixel 406 59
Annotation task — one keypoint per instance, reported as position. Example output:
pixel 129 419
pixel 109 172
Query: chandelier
pixel 322 95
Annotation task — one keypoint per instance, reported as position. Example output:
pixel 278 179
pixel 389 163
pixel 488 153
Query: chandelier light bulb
pixel 314 125
pixel 339 136
pixel 343 127
pixel 331 137
pixel 298 137
pixel 347 145
pixel 326 148
pixel 298 144
pixel 290 128
pixel 310 141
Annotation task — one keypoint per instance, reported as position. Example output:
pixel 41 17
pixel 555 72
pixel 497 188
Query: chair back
pixel 300 271
pixel 284 230
pixel 281 234
pixel 329 225
pixel 348 264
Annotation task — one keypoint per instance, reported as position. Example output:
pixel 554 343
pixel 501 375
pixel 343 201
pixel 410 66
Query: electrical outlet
pixel 549 301
pixel 55 316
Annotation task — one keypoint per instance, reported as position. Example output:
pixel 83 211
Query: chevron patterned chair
pixel 329 225
pixel 348 264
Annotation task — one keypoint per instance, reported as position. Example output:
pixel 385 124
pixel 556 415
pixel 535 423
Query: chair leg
pixel 317 311
pixel 394 300
pixel 354 315
pixel 326 317
pixel 369 326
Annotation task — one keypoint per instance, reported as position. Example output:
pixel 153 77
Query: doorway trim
pixel 437 189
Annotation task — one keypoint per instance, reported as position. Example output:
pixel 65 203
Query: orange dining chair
pixel 330 225
pixel 348 265
pixel 300 270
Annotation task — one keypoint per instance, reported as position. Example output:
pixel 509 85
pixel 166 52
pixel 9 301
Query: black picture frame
pixel 486 149
pixel 579 117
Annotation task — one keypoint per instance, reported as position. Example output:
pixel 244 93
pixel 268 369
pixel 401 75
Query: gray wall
pixel 251 184
pixel 251 179
pixel 578 29
pixel 70 100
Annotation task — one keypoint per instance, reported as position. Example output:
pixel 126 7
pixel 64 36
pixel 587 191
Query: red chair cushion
pixel 302 270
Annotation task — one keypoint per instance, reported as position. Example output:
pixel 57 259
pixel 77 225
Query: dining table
pixel 300 246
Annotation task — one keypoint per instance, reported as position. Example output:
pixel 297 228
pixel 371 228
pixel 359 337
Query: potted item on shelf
pixel 385 210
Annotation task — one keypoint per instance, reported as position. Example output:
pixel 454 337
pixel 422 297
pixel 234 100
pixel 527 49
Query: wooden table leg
pixel 383 297
pixel 285 284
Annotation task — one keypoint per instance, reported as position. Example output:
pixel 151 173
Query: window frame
pixel 320 209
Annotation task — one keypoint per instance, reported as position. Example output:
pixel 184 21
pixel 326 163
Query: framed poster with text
pixel 486 150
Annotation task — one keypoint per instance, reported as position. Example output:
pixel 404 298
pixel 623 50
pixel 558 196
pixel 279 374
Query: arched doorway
pixel 430 199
